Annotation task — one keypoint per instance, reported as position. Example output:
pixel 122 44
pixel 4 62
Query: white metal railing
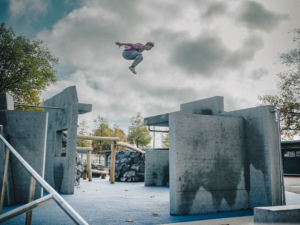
pixel 53 195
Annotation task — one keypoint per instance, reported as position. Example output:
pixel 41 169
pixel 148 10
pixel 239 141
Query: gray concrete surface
pixel 277 214
pixel 60 170
pixel 208 106
pixel 9 191
pixel 100 202
pixel 6 101
pixel 157 168
pixel 206 164
pixel 292 184
pixel 26 132
pixel 263 172
pixel 258 173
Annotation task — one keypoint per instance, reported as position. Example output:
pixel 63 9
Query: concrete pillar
pixel 206 164
pixel 264 177
pixel 27 131
pixel 157 168
pixel 60 168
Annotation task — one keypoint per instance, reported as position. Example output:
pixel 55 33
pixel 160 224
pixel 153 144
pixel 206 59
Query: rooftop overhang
pixel 159 120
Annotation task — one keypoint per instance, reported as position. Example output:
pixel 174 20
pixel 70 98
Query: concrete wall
pixel 60 170
pixel 289 214
pixel 222 165
pixel 157 168
pixel 263 156
pixel 6 101
pixel 26 131
pixel 9 192
pixel 206 164
pixel 208 106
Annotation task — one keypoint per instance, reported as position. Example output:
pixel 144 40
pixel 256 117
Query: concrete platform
pixel 100 202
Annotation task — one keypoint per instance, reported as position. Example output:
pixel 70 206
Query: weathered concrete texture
pixel 277 214
pixel 9 192
pixel 208 106
pixel 26 132
pixel 60 169
pixel 157 168
pixel 263 172
pixel 206 164
pixel 6 101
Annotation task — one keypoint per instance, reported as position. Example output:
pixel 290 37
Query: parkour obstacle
pixel 115 142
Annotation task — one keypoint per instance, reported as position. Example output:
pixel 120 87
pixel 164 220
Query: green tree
pixel 103 129
pixel 287 100
pixel 165 140
pixel 83 130
pixel 26 68
pixel 138 133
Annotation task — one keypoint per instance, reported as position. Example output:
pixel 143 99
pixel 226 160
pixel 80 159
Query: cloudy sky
pixel 202 49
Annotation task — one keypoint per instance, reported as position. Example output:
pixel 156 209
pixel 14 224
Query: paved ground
pixel 100 202
pixel 292 184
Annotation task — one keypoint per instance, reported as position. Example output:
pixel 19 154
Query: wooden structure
pixel 115 143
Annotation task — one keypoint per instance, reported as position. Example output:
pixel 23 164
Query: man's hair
pixel 150 43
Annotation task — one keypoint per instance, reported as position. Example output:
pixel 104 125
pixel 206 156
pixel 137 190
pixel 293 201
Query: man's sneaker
pixel 132 70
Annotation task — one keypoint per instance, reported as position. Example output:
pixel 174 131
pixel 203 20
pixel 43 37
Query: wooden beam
pixel 112 162
pixel 4 180
pixel 84 148
pixel 89 165
pixel 31 198
pixel 98 171
pixel 123 144
pixel 97 138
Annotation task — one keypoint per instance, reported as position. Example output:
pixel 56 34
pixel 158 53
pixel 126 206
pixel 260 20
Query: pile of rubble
pixel 129 166
pixel 95 166
pixel 79 170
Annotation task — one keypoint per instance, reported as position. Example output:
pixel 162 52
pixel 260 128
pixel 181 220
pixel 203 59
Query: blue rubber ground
pixel 100 202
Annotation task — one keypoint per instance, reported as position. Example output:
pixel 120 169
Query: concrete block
pixel 263 171
pixel 159 120
pixel 157 168
pixel 60 169
pixel 27 131
pixel 6 101
pixel 207 159
pixel 208 106
pixel 84 108
pixel 277 214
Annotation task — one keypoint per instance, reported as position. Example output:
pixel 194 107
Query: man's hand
pixel 118 43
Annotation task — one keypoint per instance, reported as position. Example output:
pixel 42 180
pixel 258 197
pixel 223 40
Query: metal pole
pixel 4 180
pixel 59 200
pixel 47 107
pixel 25 208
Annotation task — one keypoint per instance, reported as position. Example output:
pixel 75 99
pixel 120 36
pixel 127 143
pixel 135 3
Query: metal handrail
pixel 77 219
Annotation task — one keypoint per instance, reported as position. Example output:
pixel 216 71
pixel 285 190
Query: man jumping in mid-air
pixel 134 52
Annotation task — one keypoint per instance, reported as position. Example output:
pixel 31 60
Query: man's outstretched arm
pixel 119 43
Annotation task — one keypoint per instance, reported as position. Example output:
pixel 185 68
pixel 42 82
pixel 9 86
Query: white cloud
pixel 172 72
